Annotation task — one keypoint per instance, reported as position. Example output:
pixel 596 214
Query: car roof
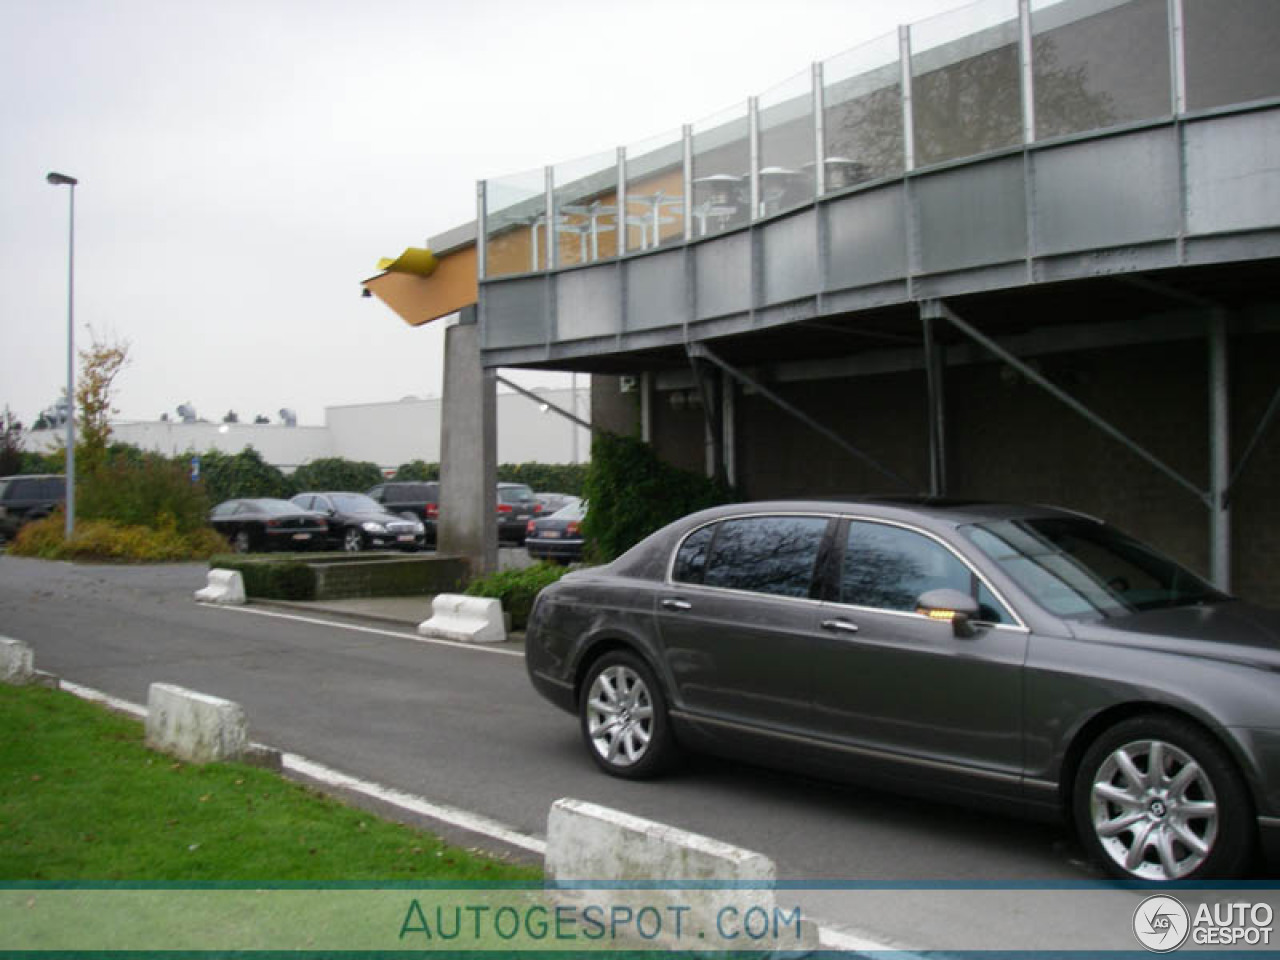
pixel 952 511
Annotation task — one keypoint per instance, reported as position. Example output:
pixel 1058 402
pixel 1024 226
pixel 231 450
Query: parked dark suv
pixel 422 499
pixel 30 497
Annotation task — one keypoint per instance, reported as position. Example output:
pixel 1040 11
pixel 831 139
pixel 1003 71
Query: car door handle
pixel 672 603
pixel 843 626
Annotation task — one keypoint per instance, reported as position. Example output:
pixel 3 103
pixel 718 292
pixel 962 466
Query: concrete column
pixel 468 451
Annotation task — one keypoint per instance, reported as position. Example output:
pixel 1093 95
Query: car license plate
pixel 302 536
pixel 405 537
pixel 551 534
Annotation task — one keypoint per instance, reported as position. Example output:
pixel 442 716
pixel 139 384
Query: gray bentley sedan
pixel 1028 659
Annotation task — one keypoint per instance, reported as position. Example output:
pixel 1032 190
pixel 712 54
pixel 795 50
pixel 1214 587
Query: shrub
pixel 517 589
pixel 336 473
pixel 550 477
pixel 417 471
pixel 103 540
pixel 245 474
pixel 633 493
pixel 282 577
pixel 143 490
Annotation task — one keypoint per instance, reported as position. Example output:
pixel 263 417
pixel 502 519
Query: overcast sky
pixel 243 164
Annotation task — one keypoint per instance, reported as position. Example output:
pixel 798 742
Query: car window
pixel 306 502
pixel 774 555
pixel 377 493
pixel 887 568
pixel 518 494
pixel 355 503
pixel 691 558
pixel 224 509
pixel 20 489
pixel 52 488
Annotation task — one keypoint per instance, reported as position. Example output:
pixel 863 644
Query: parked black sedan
pixel 557 537
pixel 358 523
pixel 1024 659
pixel 265 523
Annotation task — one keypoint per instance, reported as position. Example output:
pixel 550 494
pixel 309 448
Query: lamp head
pixel 61 179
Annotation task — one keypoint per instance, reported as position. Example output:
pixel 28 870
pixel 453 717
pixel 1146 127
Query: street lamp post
pixel 62 180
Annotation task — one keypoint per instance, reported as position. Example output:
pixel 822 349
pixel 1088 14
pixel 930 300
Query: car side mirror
pixel 947 604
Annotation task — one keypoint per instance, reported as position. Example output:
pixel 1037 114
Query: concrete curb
pixel 194 726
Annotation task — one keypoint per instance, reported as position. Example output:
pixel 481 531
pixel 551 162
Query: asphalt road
pixel 462 726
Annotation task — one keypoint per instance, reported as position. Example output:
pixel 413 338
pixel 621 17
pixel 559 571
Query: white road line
pixel 97 696
pixel 471 822
pixel 478 648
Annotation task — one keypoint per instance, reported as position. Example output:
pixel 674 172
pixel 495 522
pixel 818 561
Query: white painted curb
pixel 17 662
pixel 465 619
pixel 195 726
pixel 225 586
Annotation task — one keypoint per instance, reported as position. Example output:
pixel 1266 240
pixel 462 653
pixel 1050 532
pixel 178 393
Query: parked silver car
pixel 1024 659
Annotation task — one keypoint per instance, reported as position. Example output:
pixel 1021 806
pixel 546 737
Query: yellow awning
pixel 414 260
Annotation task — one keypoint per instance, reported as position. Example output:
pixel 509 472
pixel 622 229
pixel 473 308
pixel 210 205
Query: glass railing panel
pixel 515 220
pixel 786 145
pixel 862 113
pixel 965 82
pixel 586 201
pixel 721 172
pixel 1233 51
pixel 1098 63
pixel 655 192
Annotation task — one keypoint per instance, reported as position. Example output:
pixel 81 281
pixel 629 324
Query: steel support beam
pixel 551 407
pixel 939 309
pixel 934 365
pixel 698 351
pixel 1219 453
pixel 1273 408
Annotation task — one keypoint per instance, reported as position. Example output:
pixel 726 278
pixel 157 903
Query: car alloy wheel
pixel 353 541
pixel 1157 799
pixel 242 542
pixel 623 715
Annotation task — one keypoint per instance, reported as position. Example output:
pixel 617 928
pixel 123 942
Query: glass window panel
pixel 862 108
pixel 1097 63
pixel 888 568
pixel 786 145
pixel 655 192
pixel 515 215
pixel 1231 49
pixel 773 555
pixel 965 82
pixel 721 172
pixel 586 198
pixel 691 559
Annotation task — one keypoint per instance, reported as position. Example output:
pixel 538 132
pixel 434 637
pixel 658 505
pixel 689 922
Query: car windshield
pixel 515 494
pixel 278 507
pixel 1080 569
pixel 573 511
pixel 356 503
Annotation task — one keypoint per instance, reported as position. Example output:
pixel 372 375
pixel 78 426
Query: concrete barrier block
pixel 455 616
pixel 634 865
pixel 194 726
pixel 17 662
pixel 225 586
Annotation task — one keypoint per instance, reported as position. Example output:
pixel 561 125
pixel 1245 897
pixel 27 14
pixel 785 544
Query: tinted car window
pixel 888 568
pixel 691 559
pixel 515 494
pixel 774 555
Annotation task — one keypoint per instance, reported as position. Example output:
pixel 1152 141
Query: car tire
pixel 242 542
pixel 1194 821
pixel 623 717
pixel 352 540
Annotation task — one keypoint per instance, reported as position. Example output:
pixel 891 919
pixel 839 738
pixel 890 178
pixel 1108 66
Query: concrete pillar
pixel 468 451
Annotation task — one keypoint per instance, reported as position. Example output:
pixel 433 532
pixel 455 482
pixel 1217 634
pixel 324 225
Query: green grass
pixel 82 798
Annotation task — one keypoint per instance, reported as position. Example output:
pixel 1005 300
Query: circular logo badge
pixel 1161 924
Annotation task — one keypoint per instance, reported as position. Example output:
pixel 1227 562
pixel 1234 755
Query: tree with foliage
pixel 633 493
pixel 245 474
pixel 10 444
pixel 337 473
pixel 100 364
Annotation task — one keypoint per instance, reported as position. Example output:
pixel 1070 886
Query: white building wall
pixel 387 434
